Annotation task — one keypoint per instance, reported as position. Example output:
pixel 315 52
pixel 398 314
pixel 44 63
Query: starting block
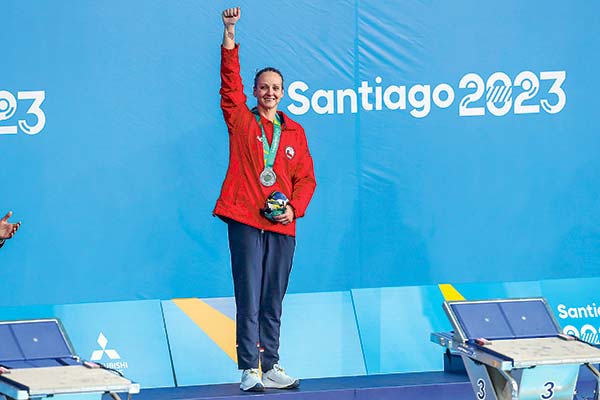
pixel 514 350
pixel 37 360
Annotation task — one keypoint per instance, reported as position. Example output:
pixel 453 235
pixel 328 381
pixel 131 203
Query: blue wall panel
pixel 116 189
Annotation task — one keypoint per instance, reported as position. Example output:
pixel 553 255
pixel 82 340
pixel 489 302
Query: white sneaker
pixel 251 381
pixel 276 378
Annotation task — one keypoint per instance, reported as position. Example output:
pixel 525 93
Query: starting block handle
pixel 514 386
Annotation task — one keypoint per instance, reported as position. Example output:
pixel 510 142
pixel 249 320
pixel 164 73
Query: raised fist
pixel 231 16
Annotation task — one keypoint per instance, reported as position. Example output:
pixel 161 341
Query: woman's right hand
pixel 231 16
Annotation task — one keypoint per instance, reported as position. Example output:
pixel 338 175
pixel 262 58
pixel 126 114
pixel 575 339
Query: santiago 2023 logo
pixel 587 332
pixel 34 114
pixel 499 95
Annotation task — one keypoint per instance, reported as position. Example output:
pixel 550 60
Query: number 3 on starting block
pixel 549 392
pixel 481 391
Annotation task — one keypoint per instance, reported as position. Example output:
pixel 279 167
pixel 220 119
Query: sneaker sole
pixel 256 388
pixel 293 385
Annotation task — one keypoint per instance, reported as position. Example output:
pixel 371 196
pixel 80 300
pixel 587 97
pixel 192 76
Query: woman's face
pixel 268 90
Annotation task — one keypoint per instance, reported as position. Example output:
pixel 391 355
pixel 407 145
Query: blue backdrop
pixel 452 142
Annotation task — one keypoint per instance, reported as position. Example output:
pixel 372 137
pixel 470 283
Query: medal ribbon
pixel 269 152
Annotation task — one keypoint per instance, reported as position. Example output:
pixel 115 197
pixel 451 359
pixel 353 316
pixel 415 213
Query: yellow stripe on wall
pixel 219 327
pixel 449 292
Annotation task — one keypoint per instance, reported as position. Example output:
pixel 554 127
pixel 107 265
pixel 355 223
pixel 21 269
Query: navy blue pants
pixel 261 262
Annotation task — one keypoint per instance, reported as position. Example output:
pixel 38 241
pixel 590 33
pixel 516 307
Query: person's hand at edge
pixel 8 229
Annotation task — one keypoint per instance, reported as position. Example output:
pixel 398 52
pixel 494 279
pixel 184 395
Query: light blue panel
pixel 498 290
pixel 127 336
pixel 395 325
pixel 319 335
pixel 549 382
pixel 576 306
pixel 197 360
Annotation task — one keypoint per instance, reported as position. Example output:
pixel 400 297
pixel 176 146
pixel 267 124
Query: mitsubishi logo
pixel 111 353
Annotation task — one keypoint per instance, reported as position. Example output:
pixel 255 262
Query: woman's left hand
pixel 287 217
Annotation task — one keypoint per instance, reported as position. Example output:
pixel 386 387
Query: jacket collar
pixel 283 118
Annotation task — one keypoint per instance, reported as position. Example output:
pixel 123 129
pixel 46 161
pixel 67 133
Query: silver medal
pixel 268 177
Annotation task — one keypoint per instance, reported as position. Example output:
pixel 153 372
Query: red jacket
pixel 242 195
